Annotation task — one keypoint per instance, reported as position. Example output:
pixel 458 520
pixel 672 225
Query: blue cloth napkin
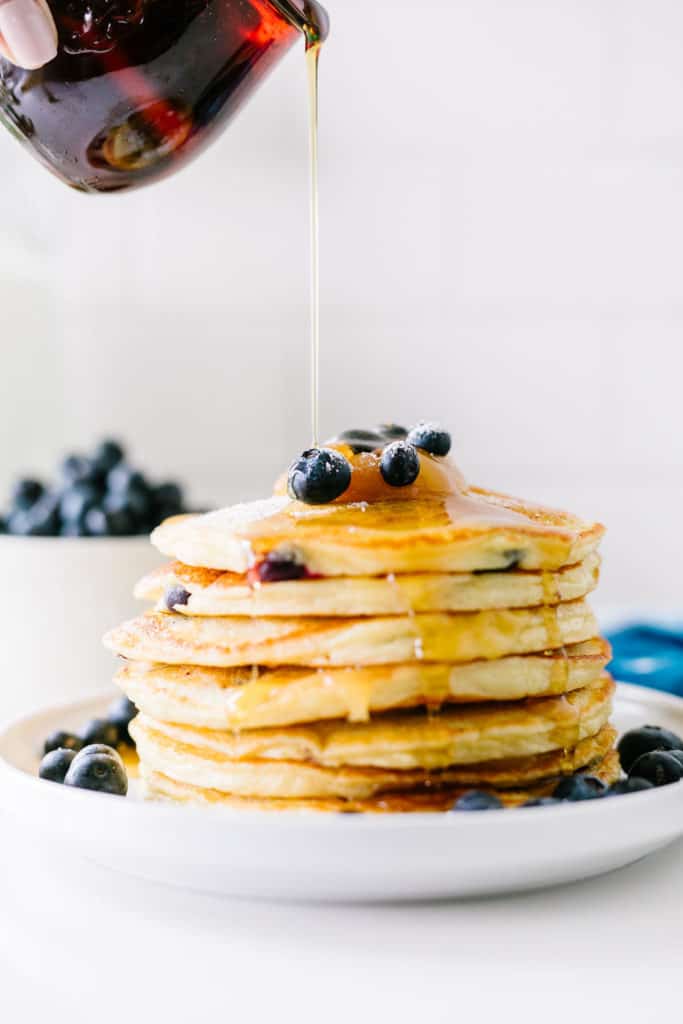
pixel 649 654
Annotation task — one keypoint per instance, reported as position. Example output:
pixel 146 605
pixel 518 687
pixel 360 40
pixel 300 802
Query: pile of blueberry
pixel 320 475
pixel 89 759
pixel 100 495
pixel 650 757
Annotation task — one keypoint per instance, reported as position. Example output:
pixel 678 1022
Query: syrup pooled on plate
pixel 140 86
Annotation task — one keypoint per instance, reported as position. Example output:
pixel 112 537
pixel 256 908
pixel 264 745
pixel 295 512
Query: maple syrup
pixel 138 87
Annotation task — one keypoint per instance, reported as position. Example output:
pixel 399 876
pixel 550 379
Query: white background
pixel 502 214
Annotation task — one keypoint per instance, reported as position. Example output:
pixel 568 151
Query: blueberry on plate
pixel 575 788
pixel 26 493
pixel 430 438
pixel 399 464
pixel 678 754
pixel 99 730
pixel 100 748
pixel 658 767
pixel 56 764
pixel 630 785
pixel 61 739
pixel 542 801
pixel 637 742
pixel 318 476
pixel 121 713
pixel 98 771
pixel 107 455
pixel 477 800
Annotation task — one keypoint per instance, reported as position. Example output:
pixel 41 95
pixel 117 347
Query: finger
pixel 27 32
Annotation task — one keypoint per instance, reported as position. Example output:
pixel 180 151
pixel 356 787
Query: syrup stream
pixel 312 56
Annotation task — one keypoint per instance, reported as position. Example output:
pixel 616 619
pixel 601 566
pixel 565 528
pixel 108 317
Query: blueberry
pixel 168 495
pixel 56 764
pixel 77 469
pixel 175 596
pixel 392 431
pixel 123 479
pixel 637 742
pixel 399 464
pixel 318 476
pixel 98 771
pixel 277 568
pixel 107 455
pixel 77 501
pixel 26 493
pixel 131 491
pixel 430 438
pixel 99 730
pixel 658 767
pixel 542 801
pixel 579 787
pixel 60 739
pixel 477 800
pixel 99 748
pixel 102 523
pixel 121 714
pixel 361 440
pixel 632 785
pixel 678 754
pixel 123 517
pixel 41 520
pixel 73 530
pixel 95 522
pixel 3 525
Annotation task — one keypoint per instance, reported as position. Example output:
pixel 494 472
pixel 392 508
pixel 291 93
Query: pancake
pixel 213 592
pixel 160 787
pixel 396 741
pixel 472 530
pixel 465 636
pixel 161 750
pixel 239 698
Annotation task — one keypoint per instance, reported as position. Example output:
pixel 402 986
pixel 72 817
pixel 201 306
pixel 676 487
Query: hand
pixel 28 36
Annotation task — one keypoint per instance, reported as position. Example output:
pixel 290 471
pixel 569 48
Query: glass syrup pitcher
pixel 139 87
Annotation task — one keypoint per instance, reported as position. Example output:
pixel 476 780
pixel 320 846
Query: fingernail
pixel 29 32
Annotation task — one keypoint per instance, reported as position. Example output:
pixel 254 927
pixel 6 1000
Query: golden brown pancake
pixel 249 698
pixel 162 787
pixel 213 592
pixel 474 530
pixel 434 637
pixel 306 760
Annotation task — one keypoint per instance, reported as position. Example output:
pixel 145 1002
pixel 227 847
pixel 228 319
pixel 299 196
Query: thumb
pixel 28 36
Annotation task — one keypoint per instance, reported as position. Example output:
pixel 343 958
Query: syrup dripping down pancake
pixel 395 741
pixel 433 637
pixel 249 698
pixel 474 531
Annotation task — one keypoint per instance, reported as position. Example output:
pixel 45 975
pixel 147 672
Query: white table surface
pixel 76 939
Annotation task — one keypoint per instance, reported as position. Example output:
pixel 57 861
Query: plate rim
pixel 286 818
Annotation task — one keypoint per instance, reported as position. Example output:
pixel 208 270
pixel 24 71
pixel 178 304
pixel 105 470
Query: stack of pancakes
pixel 381 655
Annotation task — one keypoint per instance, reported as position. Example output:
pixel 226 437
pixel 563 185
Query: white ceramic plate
pixel 308 856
